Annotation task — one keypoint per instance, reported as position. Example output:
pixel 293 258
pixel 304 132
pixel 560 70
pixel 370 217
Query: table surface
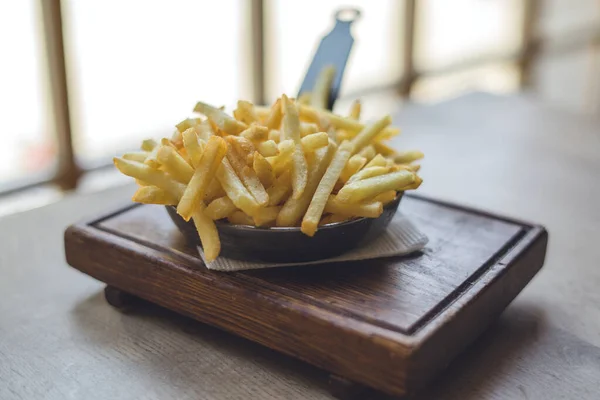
pixel 60 340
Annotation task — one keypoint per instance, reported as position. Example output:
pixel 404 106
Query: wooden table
pixel 59 339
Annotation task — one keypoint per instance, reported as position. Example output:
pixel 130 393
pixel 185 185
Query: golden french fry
pixel 377 161
pixel 304 98
pixel 153 195
pixel 142 183
pixel 214 152
pixel 386 197
pixel 139 156
pixel 188 123
pixel 193 146
pixel 368 173
pixel 213 191
pixel 204 130
pixel 322 88
pixel 151 159
pixel 369 132
pixel 369 210
pixel 220 208
pixel 368 152
pixel 176 139
pixel 207 230
pixel 268 148
pixel 414 167
pixel 315 141
pixel 245 112
pixel 383 149
pixel 149 144
pixel 266 216
pixel 235 189
pixel 355 163
pixel 308 128
pixel 333 219
pixel 237 157
pixel 275 135
pixel 263 170
pixel 405 157
pixel 240 218
pixel 323 190
pixel 224 122
pixel 371 187
pixel 256 133
pixel 150 175
pixel 291 130
pixel 280 189
pixel 174 164
pixel 355 110
pixel 284 158
pixel 417 182
pixel 273 121
pixel 293 209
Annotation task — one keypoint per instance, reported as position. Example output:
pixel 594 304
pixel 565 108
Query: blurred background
pixel 83 80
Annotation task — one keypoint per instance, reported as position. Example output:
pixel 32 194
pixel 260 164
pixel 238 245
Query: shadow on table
pixel 479 369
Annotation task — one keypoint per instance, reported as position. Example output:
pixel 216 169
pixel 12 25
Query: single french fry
pixel 308 128
pixel 280 189
pixel 315 141
pixel 322 89
pixel 317 205
pixel 242 148
pixel 224 122
pixel 149 144
pixel 377 161
pixel 245 112
pixel 176 139
pixel 360 190
pixel 207 230
pixel 369 210
pixel 333 219
pixel 263 170
pixel 355 163
pixel 204 130
pixel 238 160
pixel 193 146
pixel 414 167
pixel 187 124
pixel 154 195
pixel 284 158
pixel 273 121
pixel 386 197
pixel 293 209
pixel 139 156
pixel 369 132
pixel 291 130
pixel 240 218
pixel 275 135
pixel 215 151
pixel 405 157
pixel 174 164
pixel 213 191
pixel 266 216
pixel 368 152
pixel 150 175
pixel 417 182
pixel 268 148
pixel 304 98
pixel 256 133
pixel 220 208
pixel 355 110
pixel 151 159
pixel 368 172
pixel 140 182
pixel 383 149
pixel 235 189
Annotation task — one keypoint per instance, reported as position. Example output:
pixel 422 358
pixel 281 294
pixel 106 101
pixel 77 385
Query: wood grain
pixel 383 314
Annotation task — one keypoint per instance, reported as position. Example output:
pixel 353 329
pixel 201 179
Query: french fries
pixel 293 164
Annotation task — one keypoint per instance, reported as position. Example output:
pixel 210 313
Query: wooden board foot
pixel 344 389
pixel 119 299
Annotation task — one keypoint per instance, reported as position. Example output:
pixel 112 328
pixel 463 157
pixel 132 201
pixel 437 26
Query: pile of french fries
pixel 293 164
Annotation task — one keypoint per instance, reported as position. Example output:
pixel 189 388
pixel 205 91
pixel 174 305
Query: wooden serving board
pixel 389 324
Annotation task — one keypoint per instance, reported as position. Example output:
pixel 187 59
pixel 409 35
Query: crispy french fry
pixel 235 189
pixel 322 88
pixel 266 216
pixel 368 172
pixel 355 110
pixel 360 190
pixel 204 130
pixel 151 159
pixel 317 205
pixel 149 144
pixel 304 98
pixel 224 122
pixel 414 167
pixel 385 197
pixel 333 219
pixel 383 149
pixel 293 209
pixel 284 158
pixel 238 158
pixel 174 164
pixel 280 189
pixel 150 175
pixel 369 132
pixel 315 141
pixel 291 130
pixel 207 230
pixel 245 112
pixel 214 152
pixel 213 191
pixel 355 163
pixel 256 133
pixel 308 128
pixel 405 157
pixel 417 182
pixel 220 208
pixel 176 139
pixel 139 156
pixel 377 161
pixel 273 121
pixel 368 152
pixel 240 218
pixel 268 148
pixel 263 170
pixel 193 146
pixel 242 148
pixel 154 195
pixel 275 135
pixel 369 210
pixel 188 123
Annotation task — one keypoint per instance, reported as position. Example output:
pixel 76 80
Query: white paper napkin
pixel 400 238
